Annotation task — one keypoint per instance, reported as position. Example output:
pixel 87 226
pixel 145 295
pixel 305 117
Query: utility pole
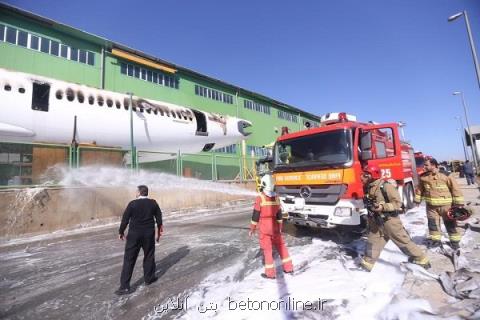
pixel 132 145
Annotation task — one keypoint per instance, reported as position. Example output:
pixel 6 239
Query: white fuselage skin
pixel 105 125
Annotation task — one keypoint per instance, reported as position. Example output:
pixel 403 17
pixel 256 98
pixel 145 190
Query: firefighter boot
pixel 423 262
pixel 367 266
pixel 264 275
pixel 454 245
pixel 433 243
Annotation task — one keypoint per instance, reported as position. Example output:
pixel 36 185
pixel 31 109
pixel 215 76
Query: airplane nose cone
pixel 242 125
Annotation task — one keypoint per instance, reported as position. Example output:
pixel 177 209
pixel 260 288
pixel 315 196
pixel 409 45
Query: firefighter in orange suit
pixel 440 193
pixel 267 216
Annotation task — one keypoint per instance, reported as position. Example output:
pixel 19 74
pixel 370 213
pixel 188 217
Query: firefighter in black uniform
pixel 140 214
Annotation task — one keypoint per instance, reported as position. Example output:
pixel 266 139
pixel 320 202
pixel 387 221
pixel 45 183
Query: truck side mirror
pixel 365 140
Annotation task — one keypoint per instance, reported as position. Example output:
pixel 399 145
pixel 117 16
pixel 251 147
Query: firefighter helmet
pixel 266 184
pixel 373 170
pixel 459 213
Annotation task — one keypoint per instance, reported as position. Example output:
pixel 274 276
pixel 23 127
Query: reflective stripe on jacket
pixel 438 190
pixel 267 214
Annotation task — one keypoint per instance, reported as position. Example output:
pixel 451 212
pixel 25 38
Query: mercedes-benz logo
pixel 305 192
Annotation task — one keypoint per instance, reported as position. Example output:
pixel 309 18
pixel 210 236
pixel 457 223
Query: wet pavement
pixel 75 276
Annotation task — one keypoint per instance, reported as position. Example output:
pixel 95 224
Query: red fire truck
pixel 317 171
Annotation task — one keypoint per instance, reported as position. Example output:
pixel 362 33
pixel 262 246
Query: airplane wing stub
pixel 14 131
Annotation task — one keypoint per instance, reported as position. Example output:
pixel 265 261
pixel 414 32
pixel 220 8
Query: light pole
pixel 470 37
pixel 132 145
pixel 474 156
pixel 402 124
pixel 462 133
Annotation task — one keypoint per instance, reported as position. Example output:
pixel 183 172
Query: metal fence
pixel 27 164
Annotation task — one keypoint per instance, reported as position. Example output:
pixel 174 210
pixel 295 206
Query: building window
pixel 149 75
pixel 255 106
pixel 256 151
pixel 90 58
pixel 82 56
pixel 45 45
pixel 123 68
pixel 54 48
pixel 22 38
pixel 34 42
pixel 228 149
pixel 11 35
pixel 64 51
pixel 2 32
pixel 74 54
pixel 287 116
pixel 213 94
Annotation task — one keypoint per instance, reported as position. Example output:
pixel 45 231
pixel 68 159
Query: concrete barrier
pixel 43 210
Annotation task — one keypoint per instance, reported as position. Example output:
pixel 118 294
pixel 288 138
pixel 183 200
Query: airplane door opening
pixel 201 123
pixel 40 96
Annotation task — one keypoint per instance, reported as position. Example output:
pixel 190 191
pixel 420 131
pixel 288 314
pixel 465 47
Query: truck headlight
pixel 343 212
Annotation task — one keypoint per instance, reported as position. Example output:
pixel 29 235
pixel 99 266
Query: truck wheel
pixel 408 195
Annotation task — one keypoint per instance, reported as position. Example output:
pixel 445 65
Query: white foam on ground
pixel 349 291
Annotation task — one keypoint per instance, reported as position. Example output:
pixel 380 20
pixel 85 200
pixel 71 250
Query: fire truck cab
pixel 317 171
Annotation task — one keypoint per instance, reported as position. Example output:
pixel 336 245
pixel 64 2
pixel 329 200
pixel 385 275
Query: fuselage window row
pixel 70 95
pixel 8 87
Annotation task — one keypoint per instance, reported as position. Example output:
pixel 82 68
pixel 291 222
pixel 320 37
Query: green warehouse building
pixel 33 44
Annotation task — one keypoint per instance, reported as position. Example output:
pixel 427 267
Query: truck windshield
pixel 325 149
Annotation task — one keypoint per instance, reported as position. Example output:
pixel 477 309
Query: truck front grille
pixel 327 194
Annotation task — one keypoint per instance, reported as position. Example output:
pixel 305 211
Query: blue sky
pixel 380 60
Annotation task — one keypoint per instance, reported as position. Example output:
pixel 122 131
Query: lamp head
pixel 455 16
